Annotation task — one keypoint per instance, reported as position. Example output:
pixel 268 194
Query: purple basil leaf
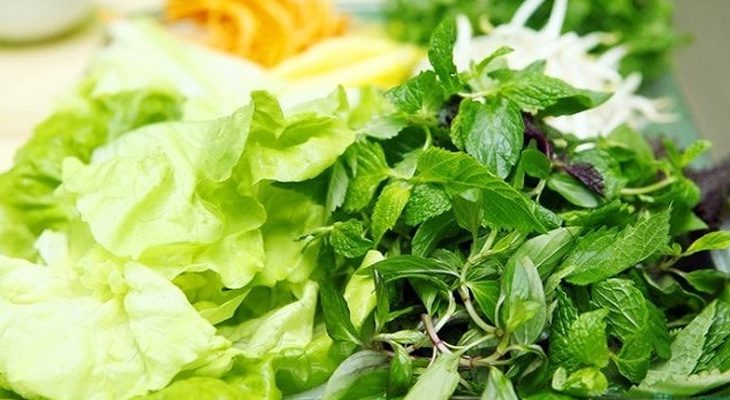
pixel 588 175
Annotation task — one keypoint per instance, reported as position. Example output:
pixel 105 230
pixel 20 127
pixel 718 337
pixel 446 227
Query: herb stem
pixel 447 316
pixel 437 342
pixel 648 189
pixel 466 298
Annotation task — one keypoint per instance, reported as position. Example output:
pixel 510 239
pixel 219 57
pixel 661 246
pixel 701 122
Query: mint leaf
pixel 524 312
pixel 635 321
pixel 348 239
pixel 439 381
pixel 498 387
pixel 492 132
pixel 425 203
pixel 716 339
pixel 711 241
pixel 578 340
pixel 535 92
pixel 563 316
pixel 505 207
pixel 369 169
pixel 587 338
pixel 597 260
pixel 337 187
pixel 389 207
pixel 440 54
pixel 422 95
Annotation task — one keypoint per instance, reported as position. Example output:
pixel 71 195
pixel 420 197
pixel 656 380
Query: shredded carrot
pixel 265 31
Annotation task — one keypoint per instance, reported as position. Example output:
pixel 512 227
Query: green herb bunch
pixel 474 252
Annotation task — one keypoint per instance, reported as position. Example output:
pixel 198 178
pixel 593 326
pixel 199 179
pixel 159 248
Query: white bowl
pixel 30 20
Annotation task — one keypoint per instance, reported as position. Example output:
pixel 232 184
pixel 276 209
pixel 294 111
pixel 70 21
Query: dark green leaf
pixel 491 132
pixel 389 207
pixel 436 273
pixel 433 230
pixel 535 163
pixel 535 92
pixel 469 210
pixel 505 207
pixel 596 260
pixel 337 315
pixel 440 54
pixel 348 239
pixel 426 202
pixel 401 372
pixel 486 293
pixel 422 95
pixel 369 168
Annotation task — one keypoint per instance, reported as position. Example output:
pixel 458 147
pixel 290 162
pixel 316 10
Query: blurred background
pixel 33 76
pixel 702 68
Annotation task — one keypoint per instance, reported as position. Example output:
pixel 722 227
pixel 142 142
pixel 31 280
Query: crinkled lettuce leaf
pixel 96 327
pixel 189 197
pixel 28 204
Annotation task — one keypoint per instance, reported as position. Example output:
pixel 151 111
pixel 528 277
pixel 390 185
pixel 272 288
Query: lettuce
pixel 28 204
pixel 143 55
pixel 96 327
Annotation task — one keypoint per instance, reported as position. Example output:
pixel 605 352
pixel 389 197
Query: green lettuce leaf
pixel 97 327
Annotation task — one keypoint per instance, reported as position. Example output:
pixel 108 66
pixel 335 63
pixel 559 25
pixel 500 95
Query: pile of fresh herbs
pixel 476 253
pixel 645 27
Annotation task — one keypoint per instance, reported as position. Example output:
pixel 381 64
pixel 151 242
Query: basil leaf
pixel 586 382
pixel 572 190
pixel 711 241
pixel 547 250
pixel 354 367
pixel 436 273
pixel 524 311
pixel 337 315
